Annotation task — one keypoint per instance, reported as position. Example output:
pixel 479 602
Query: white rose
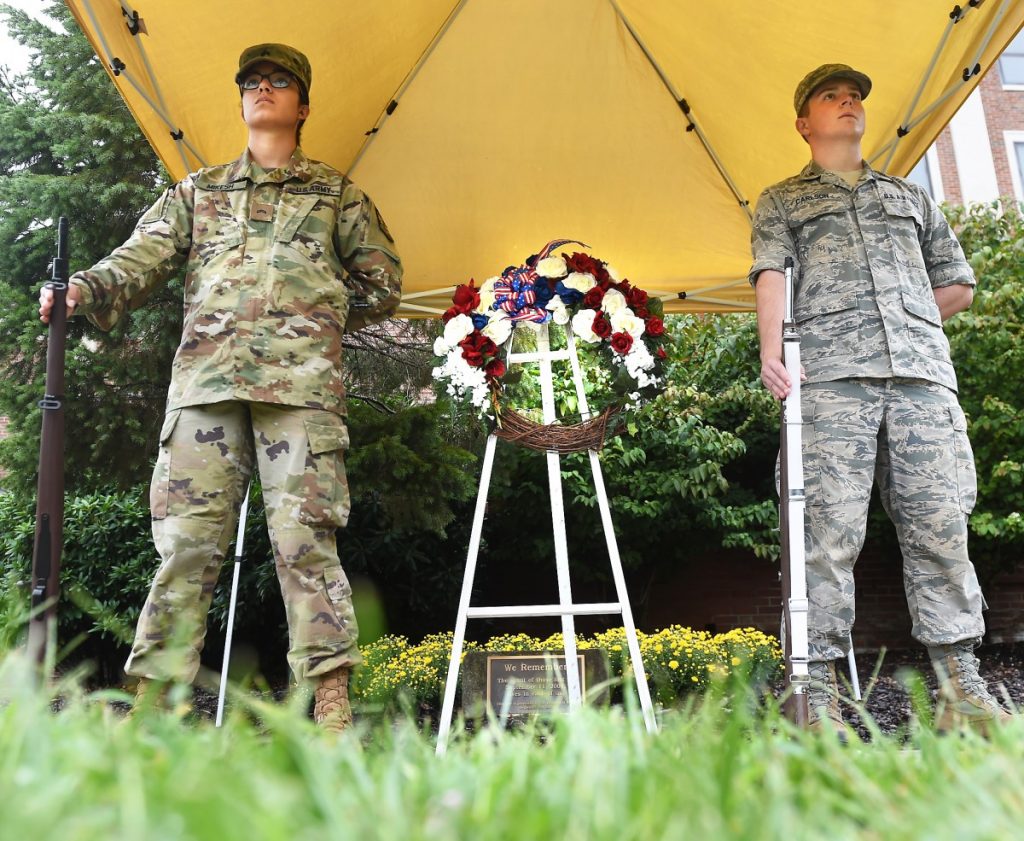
pixel 440 346
pixel 626 321
pixel 613 301
pixel 487 295
pixel 639 359
pixel 552 267
pixel 582 326
pixel 580 281
pixel 559 313
pixel 457 329
pixel 499 328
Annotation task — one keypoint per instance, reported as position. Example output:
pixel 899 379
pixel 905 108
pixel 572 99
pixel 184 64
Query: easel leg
pixel 467 590
pixel 639 674
pixel 547 392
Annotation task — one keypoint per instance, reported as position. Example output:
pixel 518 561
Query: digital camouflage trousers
pixel 911 437
pixel 207 456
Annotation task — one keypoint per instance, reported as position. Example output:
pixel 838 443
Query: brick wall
pixel 947 168
pixel 1004 111
pixel 733 589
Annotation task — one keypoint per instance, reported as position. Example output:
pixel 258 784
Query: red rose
pixel 602 327
pixel 466 297
pixel 477 342
pixel 655 326
pixel 602 275
pixel 625 288
pixel 660 353
pixel 621 342
pixel 495 368
pixel 636 298
pixel 592 300
pixel 450 313
pixel 473 357
pixel 642 312
pixel 582 263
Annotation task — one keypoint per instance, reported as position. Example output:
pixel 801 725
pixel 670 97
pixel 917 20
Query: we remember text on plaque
pixel 525 683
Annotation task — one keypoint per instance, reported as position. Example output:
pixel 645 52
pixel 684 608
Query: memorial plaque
pixel 528 682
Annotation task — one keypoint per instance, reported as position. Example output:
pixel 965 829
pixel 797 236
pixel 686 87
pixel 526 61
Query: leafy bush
pixel 987 343
pixel 107 565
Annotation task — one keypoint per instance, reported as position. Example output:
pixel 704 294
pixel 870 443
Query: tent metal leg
pixel 239 548
pixel 851 662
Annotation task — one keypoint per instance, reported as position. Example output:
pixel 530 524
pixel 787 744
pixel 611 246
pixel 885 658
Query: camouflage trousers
pixel 911 437
pixel 207 455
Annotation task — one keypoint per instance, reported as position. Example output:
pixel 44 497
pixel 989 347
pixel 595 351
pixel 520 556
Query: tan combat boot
pixel 964 699
pixel 149 694
pixel 824 715
pixel 331 709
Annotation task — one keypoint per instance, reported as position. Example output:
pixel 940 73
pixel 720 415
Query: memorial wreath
pixel 579 291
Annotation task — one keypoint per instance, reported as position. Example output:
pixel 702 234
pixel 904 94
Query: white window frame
pixel 1010 140
pixel 935 173
pixel 1009 86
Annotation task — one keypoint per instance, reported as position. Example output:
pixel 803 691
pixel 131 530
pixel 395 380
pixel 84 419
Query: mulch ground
pixel 888 701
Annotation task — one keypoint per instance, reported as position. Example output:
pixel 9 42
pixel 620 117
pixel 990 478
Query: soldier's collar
pixel 298 168
pixel 815 171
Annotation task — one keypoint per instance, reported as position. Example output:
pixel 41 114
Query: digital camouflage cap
pixel 285 57
pixel 826 73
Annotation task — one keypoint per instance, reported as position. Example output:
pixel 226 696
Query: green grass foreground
pixel 716 770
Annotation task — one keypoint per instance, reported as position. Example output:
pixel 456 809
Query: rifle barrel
pixel 791 519
pixel 49 538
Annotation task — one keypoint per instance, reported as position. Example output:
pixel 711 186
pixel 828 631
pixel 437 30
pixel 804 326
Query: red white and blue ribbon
pixel 515 292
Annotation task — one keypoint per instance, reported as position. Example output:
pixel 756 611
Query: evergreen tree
pixel 69 146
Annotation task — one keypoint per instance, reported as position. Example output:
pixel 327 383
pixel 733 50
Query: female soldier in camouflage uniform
pixel 283 254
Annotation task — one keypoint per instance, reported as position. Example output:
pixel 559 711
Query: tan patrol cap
pixel 285 57
pixel 826 73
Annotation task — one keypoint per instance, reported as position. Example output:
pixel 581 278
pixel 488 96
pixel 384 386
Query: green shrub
pixel 107 566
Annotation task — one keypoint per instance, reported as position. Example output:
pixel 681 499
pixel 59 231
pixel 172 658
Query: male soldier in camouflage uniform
pixel 877 270
pixel 283 255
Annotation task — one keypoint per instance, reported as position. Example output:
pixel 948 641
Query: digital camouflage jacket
pixel 866 261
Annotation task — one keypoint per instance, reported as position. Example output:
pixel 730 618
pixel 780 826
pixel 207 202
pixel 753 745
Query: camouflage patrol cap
pixel 285 57
pixel 826 73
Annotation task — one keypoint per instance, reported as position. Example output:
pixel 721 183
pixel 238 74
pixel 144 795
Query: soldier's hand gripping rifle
pixel 791 519
pixel 50 497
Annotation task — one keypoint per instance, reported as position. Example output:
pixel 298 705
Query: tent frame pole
pixel 969 73
pixel 389 109
pixel 113 62
pixel 132 14
pixel 692 124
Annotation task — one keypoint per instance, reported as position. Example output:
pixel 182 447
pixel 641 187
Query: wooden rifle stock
pixel 50 496
pixel 791 521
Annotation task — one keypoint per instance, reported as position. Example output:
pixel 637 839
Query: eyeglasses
pixel 278 79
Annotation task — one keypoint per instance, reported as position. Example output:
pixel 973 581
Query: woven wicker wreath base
pixel 558 437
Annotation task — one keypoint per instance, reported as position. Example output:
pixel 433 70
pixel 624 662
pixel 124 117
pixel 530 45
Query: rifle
pixel 791 520
pixel 50 495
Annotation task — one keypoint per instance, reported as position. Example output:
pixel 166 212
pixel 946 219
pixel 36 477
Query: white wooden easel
pixel 565 608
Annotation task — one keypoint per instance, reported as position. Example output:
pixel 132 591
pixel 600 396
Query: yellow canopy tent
pixel 484 128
